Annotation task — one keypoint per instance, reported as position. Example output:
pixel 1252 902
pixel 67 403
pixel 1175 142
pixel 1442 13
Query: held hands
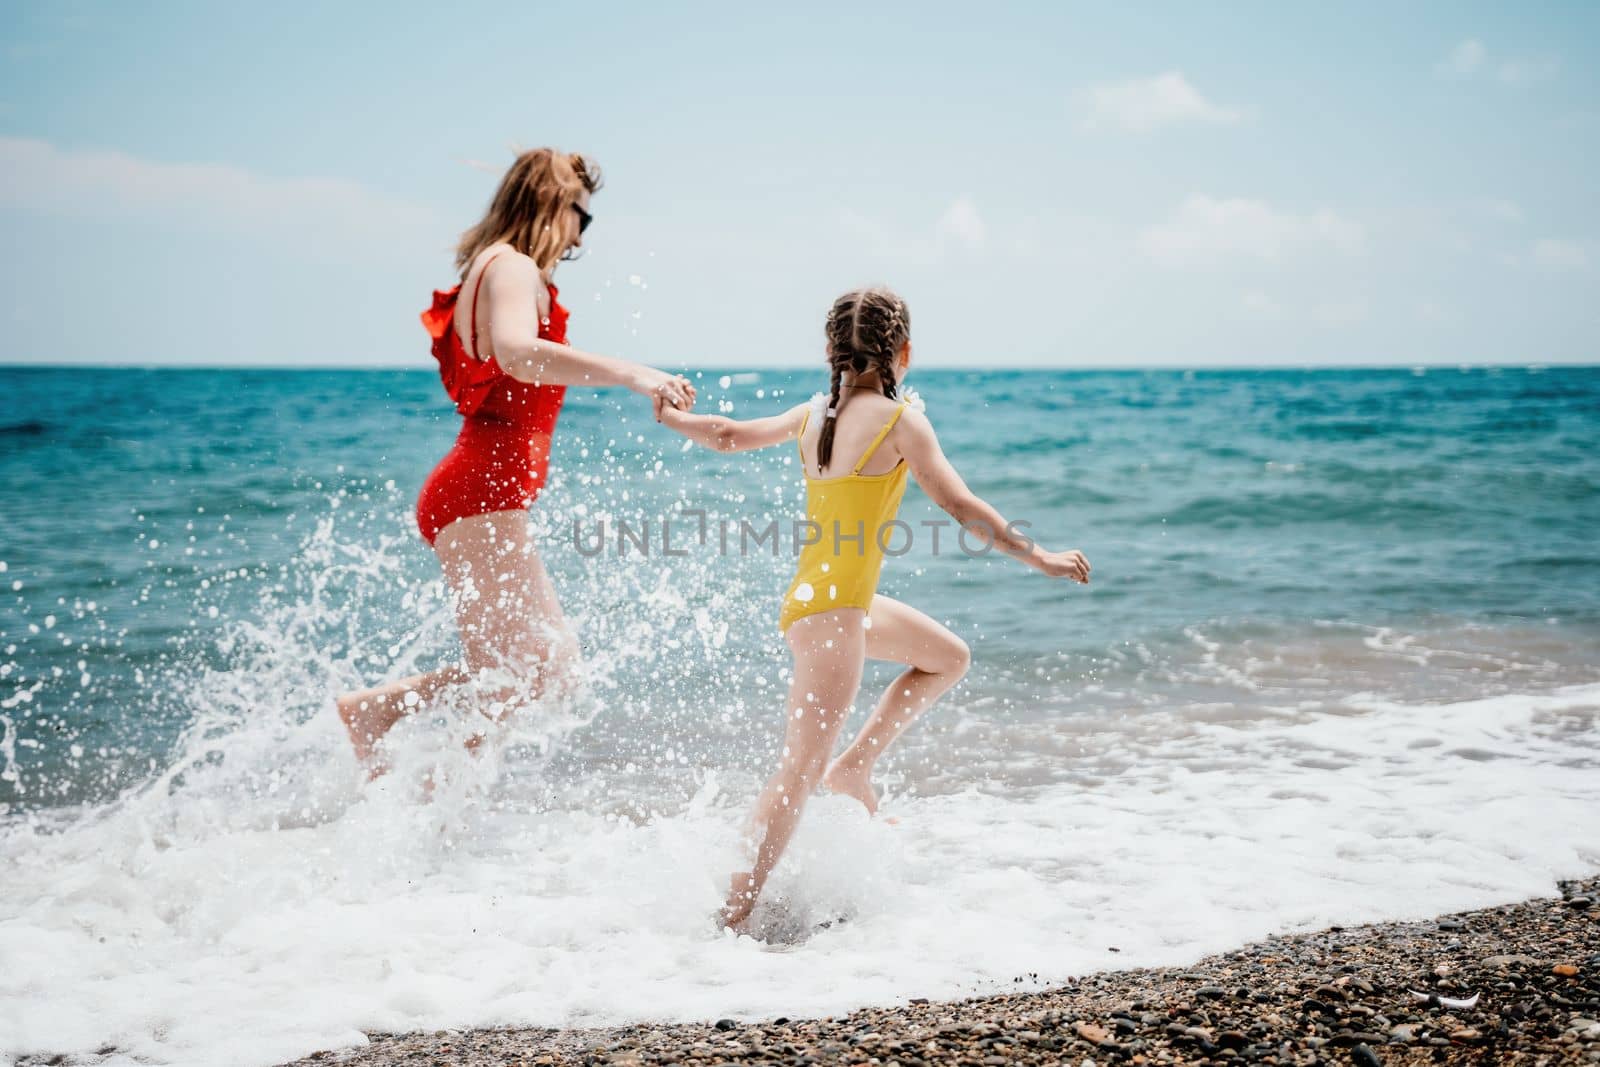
pixel 661 401
pixel 1070 564
pixel 662 387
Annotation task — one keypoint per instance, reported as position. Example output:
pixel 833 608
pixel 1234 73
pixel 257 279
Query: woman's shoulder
pixel 507 261
pixel 512 268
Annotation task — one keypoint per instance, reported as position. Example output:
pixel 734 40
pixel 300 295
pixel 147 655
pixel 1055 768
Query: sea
pixel 1339 662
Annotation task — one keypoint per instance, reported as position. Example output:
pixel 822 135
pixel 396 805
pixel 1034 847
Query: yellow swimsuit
pixel 849 516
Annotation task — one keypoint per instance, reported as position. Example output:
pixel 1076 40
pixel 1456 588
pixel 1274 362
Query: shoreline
pixel 1338 995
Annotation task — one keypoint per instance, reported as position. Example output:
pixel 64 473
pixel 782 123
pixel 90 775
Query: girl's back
pixel 862 415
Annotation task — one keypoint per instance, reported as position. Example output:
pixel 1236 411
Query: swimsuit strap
pixel 878 440
pixel 473 312
pixel 801 436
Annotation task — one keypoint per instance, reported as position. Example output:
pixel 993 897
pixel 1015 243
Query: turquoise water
pixel 1340 662
pixel 1288 523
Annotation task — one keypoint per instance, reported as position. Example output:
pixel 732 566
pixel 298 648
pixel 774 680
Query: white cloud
pixel 1147 103
pixel 959 228
pixel 1345 312
pixel 1521 72
pixel 1560 254
pixel 1470 58
pixel 1435 314
pixel 962 223
pixel 1493 208
pixel 1206 230
pixel 1465 58
pixel 43 178
pixel 1258 305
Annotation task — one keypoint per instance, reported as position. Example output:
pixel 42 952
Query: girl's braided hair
pixel 866 330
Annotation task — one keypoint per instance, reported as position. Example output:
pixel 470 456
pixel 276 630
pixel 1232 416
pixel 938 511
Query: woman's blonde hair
pixel 529 207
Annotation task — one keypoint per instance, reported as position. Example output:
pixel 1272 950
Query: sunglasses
pixel 584 218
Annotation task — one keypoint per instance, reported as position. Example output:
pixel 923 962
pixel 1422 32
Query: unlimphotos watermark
pixel 671 536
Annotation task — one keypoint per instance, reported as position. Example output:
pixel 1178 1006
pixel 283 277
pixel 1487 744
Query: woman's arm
pixel 919 445
pixel 514 286
pixel 732 435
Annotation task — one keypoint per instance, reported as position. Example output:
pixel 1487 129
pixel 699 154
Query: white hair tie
pixel 832 413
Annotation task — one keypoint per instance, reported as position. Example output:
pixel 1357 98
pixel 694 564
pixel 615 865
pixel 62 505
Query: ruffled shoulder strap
pixel 467 381
pixel 436 320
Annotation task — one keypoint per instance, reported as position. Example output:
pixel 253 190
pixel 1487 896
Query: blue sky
pixel 1047 184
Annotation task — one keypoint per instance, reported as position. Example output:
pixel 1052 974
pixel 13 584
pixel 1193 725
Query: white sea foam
pixel 252 901
pixel 197 923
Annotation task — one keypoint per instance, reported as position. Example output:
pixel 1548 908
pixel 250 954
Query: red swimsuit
pixel 502 455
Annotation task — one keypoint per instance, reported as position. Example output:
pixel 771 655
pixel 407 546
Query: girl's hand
pixel 1070 564
pixel 675 389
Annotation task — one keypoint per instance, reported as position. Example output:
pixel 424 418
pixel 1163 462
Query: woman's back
pixel 459 324
pixel 474 283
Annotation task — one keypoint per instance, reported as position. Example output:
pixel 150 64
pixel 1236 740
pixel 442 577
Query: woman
pixel 506 364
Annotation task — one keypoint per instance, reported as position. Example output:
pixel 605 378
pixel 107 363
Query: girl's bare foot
pixel 852 781
pixel 741 900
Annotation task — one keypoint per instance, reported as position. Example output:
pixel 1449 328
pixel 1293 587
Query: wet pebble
pixel 1330 997
pixel 1362 1056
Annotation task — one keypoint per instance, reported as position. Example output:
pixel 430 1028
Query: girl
pixel 855 449
pixel 506 364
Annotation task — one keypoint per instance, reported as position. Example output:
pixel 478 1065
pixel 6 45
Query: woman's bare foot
pixel 852 781
pixel 366 720
pixel 742 893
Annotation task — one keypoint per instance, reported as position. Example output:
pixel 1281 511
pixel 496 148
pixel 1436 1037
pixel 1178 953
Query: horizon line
pixel 746 368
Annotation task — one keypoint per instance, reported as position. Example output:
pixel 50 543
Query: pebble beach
pixel 1515 984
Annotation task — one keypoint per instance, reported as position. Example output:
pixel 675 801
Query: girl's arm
pixel 732 435
pixel 514 287
pixel 919 445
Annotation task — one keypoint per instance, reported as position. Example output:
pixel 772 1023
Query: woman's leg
pixel 508 616
pixel 936 659
pixel 829 653
pixel 370 713
pixel 506 606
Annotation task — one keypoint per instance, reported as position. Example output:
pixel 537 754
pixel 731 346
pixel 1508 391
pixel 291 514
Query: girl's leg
pixel 829 653
pixel 508 617
pixel 936 659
